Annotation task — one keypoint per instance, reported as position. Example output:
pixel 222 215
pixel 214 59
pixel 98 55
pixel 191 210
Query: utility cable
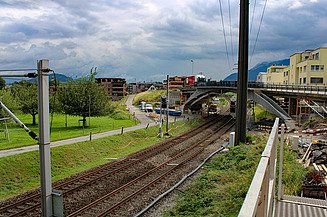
pixel 54 98
pixel 142 212
pixel 254 6
pixel 16 70
pixel 230 30
pixel 256 39
pixel 223 24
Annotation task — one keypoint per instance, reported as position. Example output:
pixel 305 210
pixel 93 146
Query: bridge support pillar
pixel 293 107
pixel 286 105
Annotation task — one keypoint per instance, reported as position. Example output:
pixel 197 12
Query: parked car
pixel 148 108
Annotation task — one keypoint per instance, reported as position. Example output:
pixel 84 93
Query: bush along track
pixel 222 186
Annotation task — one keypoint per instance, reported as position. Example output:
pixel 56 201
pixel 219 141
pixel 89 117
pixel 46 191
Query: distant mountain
pixel 60 77
pixel 261 67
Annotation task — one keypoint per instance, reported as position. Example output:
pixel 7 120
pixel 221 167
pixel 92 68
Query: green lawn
pixel 20 173
pixel 59 131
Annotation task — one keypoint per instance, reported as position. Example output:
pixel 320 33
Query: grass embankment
pixel 262 113
pixel 223 183
pixel 19 138
pixel 148 96
pixel 20 173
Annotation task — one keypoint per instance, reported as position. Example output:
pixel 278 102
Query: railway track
pixel 32 202
pixel 107 204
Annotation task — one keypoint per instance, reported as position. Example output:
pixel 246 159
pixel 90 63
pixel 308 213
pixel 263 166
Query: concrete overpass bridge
pixel 281 100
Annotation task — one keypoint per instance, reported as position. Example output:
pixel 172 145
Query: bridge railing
pixel 259 200
pixel 297 88
pixel 319 88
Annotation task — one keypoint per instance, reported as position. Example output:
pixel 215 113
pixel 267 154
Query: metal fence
pixel 259 200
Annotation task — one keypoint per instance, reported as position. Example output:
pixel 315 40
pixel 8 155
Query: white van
pixel 148 108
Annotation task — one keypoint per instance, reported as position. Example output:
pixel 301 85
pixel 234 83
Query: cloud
pixel 296 5
pixel 145 40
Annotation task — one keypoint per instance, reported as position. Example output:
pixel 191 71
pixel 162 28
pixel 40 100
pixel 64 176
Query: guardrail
pixel 259 200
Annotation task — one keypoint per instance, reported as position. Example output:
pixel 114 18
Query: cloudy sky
pixel 144 40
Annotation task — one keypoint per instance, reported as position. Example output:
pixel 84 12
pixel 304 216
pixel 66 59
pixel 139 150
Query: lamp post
pixel 192 65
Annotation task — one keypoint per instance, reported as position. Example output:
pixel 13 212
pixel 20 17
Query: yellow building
pixel 286 75
pixel 311 67
pixel 275 74
pixel 306 68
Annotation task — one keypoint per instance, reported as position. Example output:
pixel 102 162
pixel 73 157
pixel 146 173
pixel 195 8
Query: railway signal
pixel 163 101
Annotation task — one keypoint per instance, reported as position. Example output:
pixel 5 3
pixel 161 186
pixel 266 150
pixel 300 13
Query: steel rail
pixel 159 178
pixel 154 202
pixel 132 160
pixel 168 144
pixel 164 175
pixel 205 142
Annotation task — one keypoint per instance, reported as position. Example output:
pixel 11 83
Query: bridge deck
pixel 292 206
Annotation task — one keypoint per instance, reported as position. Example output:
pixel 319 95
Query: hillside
pixel 60 77
pixel 261 67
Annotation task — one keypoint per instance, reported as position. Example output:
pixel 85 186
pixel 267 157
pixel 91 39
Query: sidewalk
pixel 133 110
pixel 136 112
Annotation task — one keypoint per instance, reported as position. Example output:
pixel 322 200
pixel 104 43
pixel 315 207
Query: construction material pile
pixel 315 152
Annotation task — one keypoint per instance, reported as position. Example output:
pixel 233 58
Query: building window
pixel 317 68
pixel 304 68
pixel 316 80
pixel 322 68
pixel 304 80
pixel 300 80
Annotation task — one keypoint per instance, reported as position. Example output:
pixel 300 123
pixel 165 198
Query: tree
pixel 2 83
pixel 9 101
pixel 26 95
pixel 83 97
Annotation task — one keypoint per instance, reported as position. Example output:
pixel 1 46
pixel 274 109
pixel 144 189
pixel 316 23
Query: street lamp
pixel 192 64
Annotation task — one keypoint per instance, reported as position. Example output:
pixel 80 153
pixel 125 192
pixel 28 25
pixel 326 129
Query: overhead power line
pixel 224 33
pixel 16 70
pixel 256 39
pixel 253 11
pixel 230 31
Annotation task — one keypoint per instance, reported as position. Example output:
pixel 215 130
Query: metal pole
pixel 89 110
pixel 242 72
pixel 192 62
pixel 14 117
pixel 281 162
pixel 44 138
pixel 160 119
pixel 167 108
